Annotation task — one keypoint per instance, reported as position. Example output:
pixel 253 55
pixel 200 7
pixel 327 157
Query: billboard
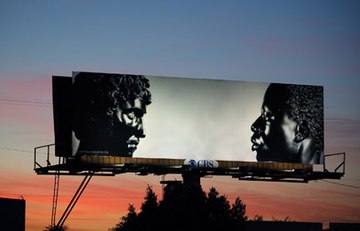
pixel 128 115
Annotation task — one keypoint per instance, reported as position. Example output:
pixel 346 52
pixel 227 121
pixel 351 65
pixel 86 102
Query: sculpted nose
pixel 258 125
pixel 139 130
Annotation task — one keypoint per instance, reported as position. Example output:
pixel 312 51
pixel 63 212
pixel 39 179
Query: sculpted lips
pixel 257 143
pixel 132 143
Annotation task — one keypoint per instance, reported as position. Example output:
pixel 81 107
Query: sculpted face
pixel 108 113
pixel 274 135
pixel 290 127
pixel 129 127
pixel 274 131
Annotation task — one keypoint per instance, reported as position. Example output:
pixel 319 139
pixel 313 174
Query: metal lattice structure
pixel 242 170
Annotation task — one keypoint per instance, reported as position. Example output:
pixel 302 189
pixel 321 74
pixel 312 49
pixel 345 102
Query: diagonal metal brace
pixel 73 201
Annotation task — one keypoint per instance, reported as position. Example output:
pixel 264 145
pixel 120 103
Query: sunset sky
pixel 302 42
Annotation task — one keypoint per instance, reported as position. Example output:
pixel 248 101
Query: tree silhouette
pixel 128 222
pixel 184 208
pixel 150 204
pixel 149 209
pixel 218 206
pixel 237 211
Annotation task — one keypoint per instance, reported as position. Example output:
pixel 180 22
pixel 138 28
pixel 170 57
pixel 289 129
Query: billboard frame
pixel 96 102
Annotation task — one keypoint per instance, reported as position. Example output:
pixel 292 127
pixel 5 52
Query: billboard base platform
pixel 241 170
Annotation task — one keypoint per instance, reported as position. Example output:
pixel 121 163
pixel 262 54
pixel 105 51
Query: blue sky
pixel 309 42
pixel 170 32
pixel 279 41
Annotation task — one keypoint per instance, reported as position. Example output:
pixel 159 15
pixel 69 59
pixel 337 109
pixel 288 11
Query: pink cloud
pixel 25 106
pixel 22 87
pixel 102 204
pixel 342 132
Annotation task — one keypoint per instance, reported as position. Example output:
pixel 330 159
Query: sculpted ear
pixel 302 131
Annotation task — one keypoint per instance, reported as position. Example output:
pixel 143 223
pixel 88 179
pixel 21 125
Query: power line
pixel 11 98
pixel 345 185
pixel 24 101
pixel 16 150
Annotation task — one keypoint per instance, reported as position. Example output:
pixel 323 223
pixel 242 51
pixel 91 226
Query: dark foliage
pixel 127 222
pixel 184 208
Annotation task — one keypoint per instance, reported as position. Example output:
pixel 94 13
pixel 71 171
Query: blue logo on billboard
pixel 192 163
pixel 202 163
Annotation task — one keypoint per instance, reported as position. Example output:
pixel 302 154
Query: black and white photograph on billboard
pixel 107 113
pixel 290 126
pixel 190 118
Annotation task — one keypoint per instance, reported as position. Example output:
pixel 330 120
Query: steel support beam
pixel 73 201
